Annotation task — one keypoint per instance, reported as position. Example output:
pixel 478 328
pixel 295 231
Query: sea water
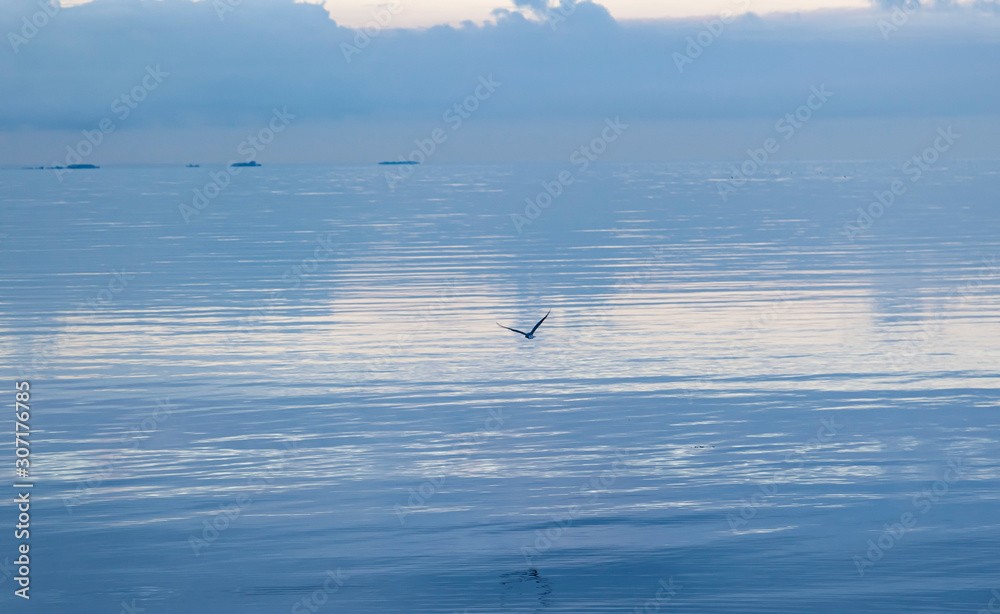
pixel 287 392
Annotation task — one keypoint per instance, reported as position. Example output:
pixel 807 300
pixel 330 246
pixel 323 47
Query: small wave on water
pixel 300 395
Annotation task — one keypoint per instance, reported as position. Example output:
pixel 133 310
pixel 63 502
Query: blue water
pixel 297 399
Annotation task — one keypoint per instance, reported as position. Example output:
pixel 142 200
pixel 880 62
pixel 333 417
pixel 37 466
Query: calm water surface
pixel 735 406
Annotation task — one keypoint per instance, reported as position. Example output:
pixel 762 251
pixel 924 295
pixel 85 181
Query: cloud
pixel 235 69
pixel 985 6
pixel 537 6
pixel 888 4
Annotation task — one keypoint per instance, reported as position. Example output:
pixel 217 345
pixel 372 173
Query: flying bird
pixel 530 335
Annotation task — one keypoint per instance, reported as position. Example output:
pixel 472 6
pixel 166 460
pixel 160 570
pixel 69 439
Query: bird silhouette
pixel 530 335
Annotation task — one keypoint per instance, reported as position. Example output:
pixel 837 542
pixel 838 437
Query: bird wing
pixel 539 324
pixel 513 329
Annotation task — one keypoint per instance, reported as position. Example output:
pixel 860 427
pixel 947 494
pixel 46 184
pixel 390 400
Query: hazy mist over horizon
pixel 180 82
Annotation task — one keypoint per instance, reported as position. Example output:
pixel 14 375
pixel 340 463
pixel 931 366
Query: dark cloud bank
pixel 178 80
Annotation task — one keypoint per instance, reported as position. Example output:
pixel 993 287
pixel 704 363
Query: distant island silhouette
pixel 400 162
pixel 250 163
pixel 59 168
pixel 193 165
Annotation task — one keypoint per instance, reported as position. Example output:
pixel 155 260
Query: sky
pixel 426 13
pixel 174 81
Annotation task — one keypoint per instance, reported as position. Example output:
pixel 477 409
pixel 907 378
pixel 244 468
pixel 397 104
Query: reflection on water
pixel 525 583
pixel 299 398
